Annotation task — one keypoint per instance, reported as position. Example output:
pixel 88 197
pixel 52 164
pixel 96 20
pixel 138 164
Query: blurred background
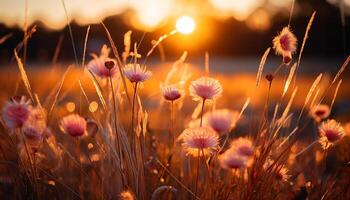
pixel 229 30
pixel 235 33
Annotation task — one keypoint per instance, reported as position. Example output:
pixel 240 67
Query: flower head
pixel 243 146
pixel 222 121
pixel 232 160
pixel 205 88
pixel 73 125
pixel 171 92
pixel 33 135
pixel 35 128
pixel 282 174
pixel 285 44
pixel 16 112
pixel 136 74
pixel 199 139
pixel 330 133
pixel 320 112
pixel 126 195
pixel 97 64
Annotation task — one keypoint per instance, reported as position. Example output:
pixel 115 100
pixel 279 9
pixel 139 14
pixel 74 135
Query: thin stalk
pixel 171 131
pixel 116 126
pixel 202 112
pixel 133 111
pixel 197 175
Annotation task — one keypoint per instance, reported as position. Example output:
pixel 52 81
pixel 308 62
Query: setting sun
pixel 185 25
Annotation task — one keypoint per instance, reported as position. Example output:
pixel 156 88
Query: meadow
pixel 109 126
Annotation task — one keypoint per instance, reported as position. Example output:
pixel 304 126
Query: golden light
pixel 93 106
pixel 70 106
pixel 185 25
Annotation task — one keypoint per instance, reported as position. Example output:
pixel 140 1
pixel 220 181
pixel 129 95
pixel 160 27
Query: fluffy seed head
pixel 205 88
pixel 330 133
pixel 243 146
pixel 126 195
pixel 222 120
pixel 285 44
pixel 171 92
pixel 232 160
pixel 319 112
pixel 16 112
pixel 97 64
pixel 73 125
pixel 199 139
pixel 136 74
pixel 35 128
pixel 282 174
pixel 33 135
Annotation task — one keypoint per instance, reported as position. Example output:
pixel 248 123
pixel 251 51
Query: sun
pixel 185 25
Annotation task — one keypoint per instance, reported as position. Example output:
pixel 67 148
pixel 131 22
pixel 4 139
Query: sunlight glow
pixel 185 25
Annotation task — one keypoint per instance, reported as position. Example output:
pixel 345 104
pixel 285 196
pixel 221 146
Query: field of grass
pixel 112 127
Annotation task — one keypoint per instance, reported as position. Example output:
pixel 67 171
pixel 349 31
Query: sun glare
pixel 185 25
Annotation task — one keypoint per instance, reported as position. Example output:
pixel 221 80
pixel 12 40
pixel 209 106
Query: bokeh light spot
pixel 185 25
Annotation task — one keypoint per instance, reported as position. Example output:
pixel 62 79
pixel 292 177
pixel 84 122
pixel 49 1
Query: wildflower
pixel 232 160
pixel 200 139
pixel 16 112
pixel 285 44
pixel 33 135
pixel 171 93
pixel 73 125
pixel 97 64
pixel 205 88
pixel 319 112
pixel 282 174
pixel 136 74
pixel 222 121
pixel 243 146
pixel 126 195
pixel 330 133
pixel 35 128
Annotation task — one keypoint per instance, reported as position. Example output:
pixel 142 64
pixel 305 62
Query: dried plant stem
pixel 278 69
pixel 116 126
pixel 34 179
pixel 172 119
pixel 202 111
pixel 197 172
pixel 133 114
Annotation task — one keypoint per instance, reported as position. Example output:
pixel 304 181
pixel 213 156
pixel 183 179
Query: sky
pixel 142 14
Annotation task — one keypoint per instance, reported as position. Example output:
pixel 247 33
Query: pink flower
pixel 200 139
pixel 33 135
pixel 222 121
pixel 136 74
pixel 35 128
pixel 205 88
pixel 320 112
pixel 285 44
pixel 16 112
pixel 97 64
pixel 231 160
pixel 243 146
pixel 330 133
pixel 73 125
pixel 171 92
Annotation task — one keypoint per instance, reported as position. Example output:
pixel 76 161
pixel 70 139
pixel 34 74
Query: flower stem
pixel 133 113
pixel 171 131
pixel 202 112
pixel 197 175
pixel 116 126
